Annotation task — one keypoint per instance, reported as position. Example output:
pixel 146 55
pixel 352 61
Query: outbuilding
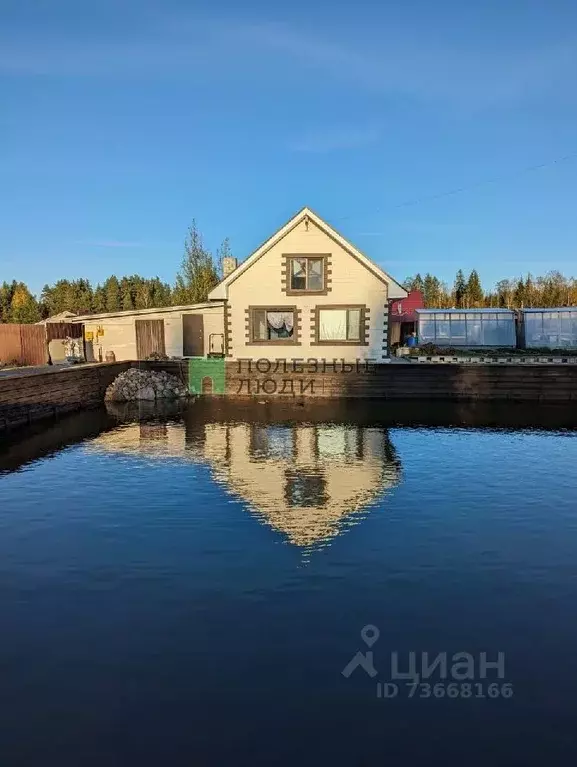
pixel 195 330
pixel 467 327
pixel 549 328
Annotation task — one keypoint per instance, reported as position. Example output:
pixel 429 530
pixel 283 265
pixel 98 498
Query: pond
pixel 335 584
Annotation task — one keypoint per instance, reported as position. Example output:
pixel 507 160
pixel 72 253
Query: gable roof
pixel 220 292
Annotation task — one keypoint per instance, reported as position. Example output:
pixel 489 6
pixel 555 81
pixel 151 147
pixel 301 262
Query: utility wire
pixel 461 189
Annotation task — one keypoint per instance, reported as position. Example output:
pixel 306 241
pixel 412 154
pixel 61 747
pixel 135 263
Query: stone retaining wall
pixel 545 382
pixel 25 398
pixel 28 398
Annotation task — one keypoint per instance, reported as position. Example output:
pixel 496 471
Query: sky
pixel 122 120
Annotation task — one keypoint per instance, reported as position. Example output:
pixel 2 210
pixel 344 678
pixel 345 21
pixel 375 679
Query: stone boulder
pixel 146 385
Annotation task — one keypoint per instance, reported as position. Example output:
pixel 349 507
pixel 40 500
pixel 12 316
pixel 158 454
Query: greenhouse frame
pixel 467 327
pixel 550 328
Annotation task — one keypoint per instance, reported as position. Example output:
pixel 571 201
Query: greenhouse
pixel 466 327
pixel 550 328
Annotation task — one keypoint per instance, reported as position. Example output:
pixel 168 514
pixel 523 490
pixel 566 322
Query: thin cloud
pixel 333 139
pixel 468 75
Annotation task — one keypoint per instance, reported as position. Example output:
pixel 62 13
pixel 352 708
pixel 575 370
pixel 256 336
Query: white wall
pixel 351 283
pixel 120 333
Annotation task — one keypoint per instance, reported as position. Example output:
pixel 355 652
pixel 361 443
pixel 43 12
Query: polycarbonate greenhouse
pixel 466 327
pixel 550 328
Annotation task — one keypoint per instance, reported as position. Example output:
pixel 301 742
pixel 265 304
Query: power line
pixel 469 187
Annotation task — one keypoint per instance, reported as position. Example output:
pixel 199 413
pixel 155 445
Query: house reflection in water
pixel 308 481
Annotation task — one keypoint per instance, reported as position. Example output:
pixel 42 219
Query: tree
pixel 99 300
pixel 529 291
pixel 222 252
pixel 431 291
pixel 126 294
pixel 519 294
pixel 474 290
pixel 82 296
pixel 112 289
pixel 460 290
pixel 24 307
pixel 414 283
pixel 66 295
pixel 505 289
pixel 6 293
pixel 198 273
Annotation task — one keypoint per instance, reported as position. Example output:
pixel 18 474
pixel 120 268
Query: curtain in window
pixel 354 324
pixel 333 325
pixel 260 330
pixel 279 319
pixel 315 274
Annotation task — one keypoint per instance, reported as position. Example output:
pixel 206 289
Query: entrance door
pixel 149 338
pixel 192 335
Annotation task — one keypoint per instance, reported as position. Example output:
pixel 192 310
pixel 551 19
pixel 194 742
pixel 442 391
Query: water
pixel 187 589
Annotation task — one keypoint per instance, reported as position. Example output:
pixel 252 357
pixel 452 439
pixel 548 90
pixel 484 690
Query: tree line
pixel 200 271
pixel 551 289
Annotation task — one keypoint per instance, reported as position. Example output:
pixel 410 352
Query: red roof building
pixel 403 310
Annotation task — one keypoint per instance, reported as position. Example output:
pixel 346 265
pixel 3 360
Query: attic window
pixel 306 273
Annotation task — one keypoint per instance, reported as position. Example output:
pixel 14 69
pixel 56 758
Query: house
pixel 307 293
pixel 403 316
pixel 195 330
pixel 64 316
pixel 310 482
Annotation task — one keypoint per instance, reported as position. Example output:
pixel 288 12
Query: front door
pixel 192 335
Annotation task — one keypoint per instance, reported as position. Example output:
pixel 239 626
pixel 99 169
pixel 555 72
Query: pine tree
pixel 474 290
pixel 529 291
pixel 460 290
pixel 112 289
pixel 99 300
pixel 431 291
pixel 519 294
pixel 126 294
pixel 6 292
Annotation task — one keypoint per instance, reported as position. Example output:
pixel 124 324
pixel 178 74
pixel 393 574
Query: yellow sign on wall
pixel 89 335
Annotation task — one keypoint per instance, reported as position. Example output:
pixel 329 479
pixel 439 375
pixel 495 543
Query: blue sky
pixel 121 121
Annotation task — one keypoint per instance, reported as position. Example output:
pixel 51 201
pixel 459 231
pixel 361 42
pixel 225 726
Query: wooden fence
pixel 28 344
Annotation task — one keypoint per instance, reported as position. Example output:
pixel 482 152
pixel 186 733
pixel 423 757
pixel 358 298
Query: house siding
pixel 350 283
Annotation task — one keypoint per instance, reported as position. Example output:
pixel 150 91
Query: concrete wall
pixel 120 333
pixel 350 283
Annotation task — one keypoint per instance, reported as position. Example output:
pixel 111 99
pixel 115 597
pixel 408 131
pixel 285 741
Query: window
pixel 306 274
pixel 274 325
pixel 305 489
pixel 272 442
pixel 340 324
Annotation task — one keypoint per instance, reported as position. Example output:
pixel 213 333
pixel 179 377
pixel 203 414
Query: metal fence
pixel 28 344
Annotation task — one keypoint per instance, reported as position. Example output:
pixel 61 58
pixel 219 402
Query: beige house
pixel 196 330
pixel 307 293
pixel 310 483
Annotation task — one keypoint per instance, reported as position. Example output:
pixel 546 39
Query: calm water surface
pixel 187 588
